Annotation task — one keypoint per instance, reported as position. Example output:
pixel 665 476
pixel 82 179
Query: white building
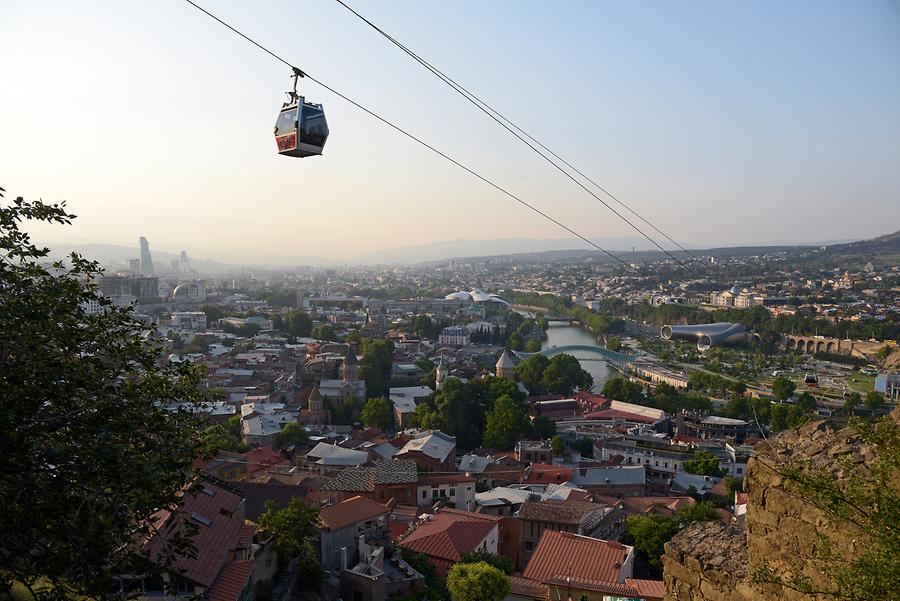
pixel 454 336
pixel 189 320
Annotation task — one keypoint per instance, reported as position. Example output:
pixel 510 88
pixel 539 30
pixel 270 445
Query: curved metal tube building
pixel 709 334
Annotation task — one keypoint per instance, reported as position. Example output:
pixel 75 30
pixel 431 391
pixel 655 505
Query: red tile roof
pixel 245 537
pixel 231 581
pixel 263 458
pixel 352 511
pixel 541 473
pixel 215 542
pixel 567 555
pixel 584 584
pixel 450 533
pixel 523 587
pixel 605 414
pixel 651 590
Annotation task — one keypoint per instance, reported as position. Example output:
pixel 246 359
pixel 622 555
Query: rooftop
pixel 352 511
pixel 556 511
pixel 567 555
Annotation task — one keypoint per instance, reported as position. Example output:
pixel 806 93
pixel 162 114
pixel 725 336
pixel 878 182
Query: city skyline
pixel 818 129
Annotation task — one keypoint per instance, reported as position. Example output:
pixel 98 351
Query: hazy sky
pixel 721 121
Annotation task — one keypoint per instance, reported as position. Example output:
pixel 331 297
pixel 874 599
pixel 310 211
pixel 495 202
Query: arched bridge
pixel 612 356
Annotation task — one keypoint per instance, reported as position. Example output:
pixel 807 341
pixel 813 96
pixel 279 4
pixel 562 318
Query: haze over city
pixel 286 315
pixel 729 124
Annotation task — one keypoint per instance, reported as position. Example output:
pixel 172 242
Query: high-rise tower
pixel 146 260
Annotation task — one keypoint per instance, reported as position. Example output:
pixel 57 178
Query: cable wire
pixel 509 125
pixel 413 137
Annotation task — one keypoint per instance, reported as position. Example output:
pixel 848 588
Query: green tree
pixel 648 535
pixel 621 389
pixel 323 332
pixel 564 374
pixel 514 342
pixel 291 434
pixel 557 445
pixel 377 413
pixel 778 417
pixel 95 434
pixel 505 424
pixel 585 446
pixel 501 562
pixel 298 323
pixel 853 401
pixel 225 437
pixel 704 463
pixel 807 401
pixel 533 345
pixel 874 400
pixel 477 582
pixel 291 526
pixel 531 371
pixel 543 427
pixel 783 388
pixel 614 344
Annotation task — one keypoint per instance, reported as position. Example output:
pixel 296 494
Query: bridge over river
pixel 603 353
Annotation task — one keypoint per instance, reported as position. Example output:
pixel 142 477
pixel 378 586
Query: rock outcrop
pixel 713 562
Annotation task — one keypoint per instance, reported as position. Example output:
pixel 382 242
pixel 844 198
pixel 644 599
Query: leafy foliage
pixel 704 463
pixel 377 414
pixel 291 526
pixel 557 445
pixel 649 533
pixel 783 388
pixel 501 562
pixel 225 437
pixel 291 434
pixel 460 409
pixel 477 582
pixel 90 446
pixel 506 423
pixel 564 374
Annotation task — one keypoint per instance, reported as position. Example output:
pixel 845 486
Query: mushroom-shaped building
pixel 477 296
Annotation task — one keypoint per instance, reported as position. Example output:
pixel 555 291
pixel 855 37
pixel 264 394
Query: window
pixel 529 545
pixel 287 122
pixel 452 492
pixel 424 494
pixel 312 126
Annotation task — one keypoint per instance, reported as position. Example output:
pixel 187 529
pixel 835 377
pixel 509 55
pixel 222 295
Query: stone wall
pixel 713 562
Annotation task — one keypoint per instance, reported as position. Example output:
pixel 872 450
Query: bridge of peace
pixel 603 353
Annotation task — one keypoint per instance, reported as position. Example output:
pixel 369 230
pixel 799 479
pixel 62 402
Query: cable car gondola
pixel 812 380
pixel 301 129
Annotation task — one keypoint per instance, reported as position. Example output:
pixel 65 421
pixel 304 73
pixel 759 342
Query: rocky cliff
pixel 713 562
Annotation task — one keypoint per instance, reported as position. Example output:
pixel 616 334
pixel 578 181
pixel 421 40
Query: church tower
pixel 350 368
pixel 316 404
pixel 506 366
pixel 440 374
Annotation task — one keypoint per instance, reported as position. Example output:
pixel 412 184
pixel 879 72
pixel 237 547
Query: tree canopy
pixel 506 423
pixel 96 434
pixel 564 374
pixel 783 388
pixel 477 582
pixel 377 413
pixel 704 463
pixel 649 533
pixel 460 409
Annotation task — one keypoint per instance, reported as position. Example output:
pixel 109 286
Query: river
pixel 560 335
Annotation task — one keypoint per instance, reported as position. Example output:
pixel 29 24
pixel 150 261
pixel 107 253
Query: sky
pixel 722 123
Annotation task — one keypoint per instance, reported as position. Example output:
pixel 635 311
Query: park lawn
pixel 861 383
